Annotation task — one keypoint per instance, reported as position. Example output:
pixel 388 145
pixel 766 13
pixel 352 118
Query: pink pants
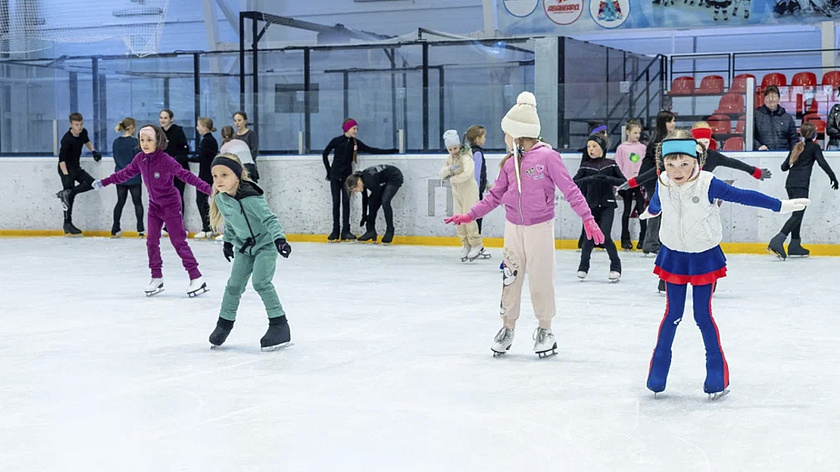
pixel 529 249
pixel 177 236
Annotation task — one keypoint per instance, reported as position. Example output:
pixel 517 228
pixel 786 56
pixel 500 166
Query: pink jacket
pixel 542 170
pixel 629 158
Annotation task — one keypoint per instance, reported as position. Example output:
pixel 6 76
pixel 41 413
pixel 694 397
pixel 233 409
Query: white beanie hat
pixel 450 138
pixel 522 121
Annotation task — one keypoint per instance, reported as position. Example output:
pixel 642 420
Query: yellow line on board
pixel 729 248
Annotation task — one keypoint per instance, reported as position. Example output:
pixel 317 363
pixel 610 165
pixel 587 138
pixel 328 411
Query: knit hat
pixel 450 138
pixel 522 121
pixel 222 160
pixel 600 140
pixel 705 132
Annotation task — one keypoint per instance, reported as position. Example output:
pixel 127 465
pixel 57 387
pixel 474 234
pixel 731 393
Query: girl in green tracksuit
pixel 252 239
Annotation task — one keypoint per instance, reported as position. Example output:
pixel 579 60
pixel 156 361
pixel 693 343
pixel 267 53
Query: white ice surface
pixel 391 367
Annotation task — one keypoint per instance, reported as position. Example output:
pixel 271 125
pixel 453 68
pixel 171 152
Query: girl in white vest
pixel 690 234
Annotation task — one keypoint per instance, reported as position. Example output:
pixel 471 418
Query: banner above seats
pixel 525 17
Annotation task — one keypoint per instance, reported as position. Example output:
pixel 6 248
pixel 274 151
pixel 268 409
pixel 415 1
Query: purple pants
pixel 159 215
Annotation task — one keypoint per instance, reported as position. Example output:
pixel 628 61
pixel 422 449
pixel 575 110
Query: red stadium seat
pixel 759 98
pixel 832 78
pixel 720 124
pixel 683 85
pixel 731 103
pixel 812 117
pixel 774 78
pixel 710 85
pixel 820 126
pixel 804 79
pixel 741 125
pixel 735 143
pixel 739 83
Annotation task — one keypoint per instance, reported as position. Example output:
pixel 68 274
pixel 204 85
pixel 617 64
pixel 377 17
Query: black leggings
pixel 794 223
pixel 629 196
pixel 68 183
pixel 340 199
pixel 604 217
pixel 387 195
pixel 202 202
pixel 122 196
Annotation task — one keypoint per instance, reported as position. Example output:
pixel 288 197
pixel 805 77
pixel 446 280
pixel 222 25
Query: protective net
pixel 33 25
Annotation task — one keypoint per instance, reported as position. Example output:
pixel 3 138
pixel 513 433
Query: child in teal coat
pixel 253 230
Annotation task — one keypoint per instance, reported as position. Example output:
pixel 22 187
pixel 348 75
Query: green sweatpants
pixel 262 266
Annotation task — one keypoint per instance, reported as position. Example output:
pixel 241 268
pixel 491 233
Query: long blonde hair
pixel 216 218
pixel 807 130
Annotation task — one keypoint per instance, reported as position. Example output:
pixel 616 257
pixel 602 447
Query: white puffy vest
pixel 689 222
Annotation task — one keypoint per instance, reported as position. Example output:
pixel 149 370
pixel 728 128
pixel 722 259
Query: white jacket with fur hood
pixel 462 179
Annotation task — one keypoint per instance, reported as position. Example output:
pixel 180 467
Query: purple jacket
pixel 158 169
pixel 542 170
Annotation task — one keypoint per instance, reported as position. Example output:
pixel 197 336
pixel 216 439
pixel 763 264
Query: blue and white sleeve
pixel 722 190
pixel 655 207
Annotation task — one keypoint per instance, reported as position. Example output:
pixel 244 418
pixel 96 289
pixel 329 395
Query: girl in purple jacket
pixel 158 170
pixel 526 184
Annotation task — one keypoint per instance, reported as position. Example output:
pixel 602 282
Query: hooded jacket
pixel 774 129
pixel 833 126
pixel 542 170
pixel 597 179
pixel 250 225
pixel 158 169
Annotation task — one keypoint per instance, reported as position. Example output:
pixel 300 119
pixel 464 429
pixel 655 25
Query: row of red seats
pixel 722 125
pixel 714 85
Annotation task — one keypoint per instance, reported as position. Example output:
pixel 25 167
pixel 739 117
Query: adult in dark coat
pixel 177 148
pixel 774 129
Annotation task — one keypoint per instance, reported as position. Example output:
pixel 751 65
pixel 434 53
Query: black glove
pixel 227 250
pixel 96 156
pixel 765 174
pixel 283 247
pixel 600 176
pixel 328 174
pixel 834 184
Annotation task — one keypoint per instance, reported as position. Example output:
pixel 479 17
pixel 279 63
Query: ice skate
pixel 347 236
pixel 581 274
pixel 368 236
pixel 777 246
pixel 141 234
pixel 502 341
pixel 71 230
pixel 795 249
pixel 203 235
pixel 116 235
pixel 155 287
pixel 718 395
pixel 478 252
pixel 626 245
pixel 465 252
pixel 220 237
pixel 197 287
pixel 278 334
pixel 64 196
pixel 388 236
pixel 544 343
pixel 661 287
pixel 220 334
pixel 333 237
pixel 614 276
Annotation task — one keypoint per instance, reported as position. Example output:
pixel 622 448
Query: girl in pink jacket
pixel 526 184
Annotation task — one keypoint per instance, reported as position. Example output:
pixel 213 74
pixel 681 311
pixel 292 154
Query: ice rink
pixel 391 368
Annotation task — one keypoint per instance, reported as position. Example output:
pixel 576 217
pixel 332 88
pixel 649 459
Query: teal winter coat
pixel 250 225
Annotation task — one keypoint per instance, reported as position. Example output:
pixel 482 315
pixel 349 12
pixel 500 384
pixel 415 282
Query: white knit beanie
pixel 450 138
pixel 522 121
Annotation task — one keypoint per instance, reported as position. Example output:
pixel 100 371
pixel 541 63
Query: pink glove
pixel 593 232
pixel 458 219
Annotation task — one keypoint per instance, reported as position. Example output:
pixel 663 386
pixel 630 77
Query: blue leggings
pixel 717 370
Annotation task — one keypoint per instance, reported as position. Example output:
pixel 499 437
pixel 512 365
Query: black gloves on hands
pixel 765 174
pixel 834 184
pixel 283 247
pixel 96 156
pixel 227 250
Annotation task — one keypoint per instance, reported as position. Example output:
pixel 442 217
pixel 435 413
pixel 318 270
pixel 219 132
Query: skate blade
pixel 198 292
pixel 718 395
pixel 71 235
pixel 276 347
pixel 548 353
pixel 155 292
pixel 775 254
pixel 499 353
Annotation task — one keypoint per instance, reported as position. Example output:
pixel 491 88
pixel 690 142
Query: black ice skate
pixel 197 287
pixel 71 230
pixel 155 286
pixel 795 249
pixel 368 236
pixel 64 196
pixel 718 395
pixel 333 237
pixel 777 246
pixel 347 236
pixel 220 334
pixel 661 287
pixel 388 236
pixel 626 244
pixel 278 334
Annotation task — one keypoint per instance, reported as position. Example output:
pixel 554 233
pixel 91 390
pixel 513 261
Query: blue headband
pixel 686 146
pixel 599 129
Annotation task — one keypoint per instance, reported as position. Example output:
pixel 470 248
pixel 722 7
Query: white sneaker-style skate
pixel 614 276
pixel 197 287
pixel 581 274
pixel 465 251
pixel 544 343
pixel 220 237
pixel 203 235
pixel 478 252
pixel 502 341
pixel 155 286
pixel 718 395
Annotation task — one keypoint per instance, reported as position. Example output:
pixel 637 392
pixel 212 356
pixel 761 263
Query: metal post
pixel 166 92
pixel 425 96
pixel 196 93
pixel 346 94
pixel 307 84
pixel 94 71
pixel 242 62
pixel 74 92
pixel 254 69
pixel 441 104
pixel 562 126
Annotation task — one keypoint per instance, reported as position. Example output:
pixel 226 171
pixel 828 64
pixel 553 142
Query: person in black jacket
pixel 71 171
pixel 345 148
pixel 382 181
pixel 800 162
pixel 125 148
pixel 208 148
pixel 775 130
pixel 476 135
pixel 597 178
pixel 665 123
pixel 177 147
pixel 833 128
